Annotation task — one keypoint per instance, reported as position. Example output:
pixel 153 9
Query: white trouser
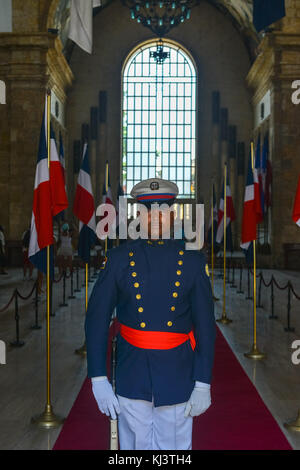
pixel 142 426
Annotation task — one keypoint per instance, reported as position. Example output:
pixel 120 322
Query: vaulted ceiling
pixel 238 11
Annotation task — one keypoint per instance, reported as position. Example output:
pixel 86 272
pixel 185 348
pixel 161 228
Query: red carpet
pixel 237 420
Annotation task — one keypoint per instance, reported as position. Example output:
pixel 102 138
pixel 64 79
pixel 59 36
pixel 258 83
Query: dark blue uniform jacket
pixel 154 286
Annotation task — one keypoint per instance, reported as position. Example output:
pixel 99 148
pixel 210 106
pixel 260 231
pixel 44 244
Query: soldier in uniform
pixel 165 347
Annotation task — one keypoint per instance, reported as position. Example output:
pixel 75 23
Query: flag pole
pixel 224 319
pixel 82 350
pixel 254 353
pixel 48 419
pixel 212 242
pixel 113 438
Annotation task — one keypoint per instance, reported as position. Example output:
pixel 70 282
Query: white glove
pixel 105 397
pixel 200 400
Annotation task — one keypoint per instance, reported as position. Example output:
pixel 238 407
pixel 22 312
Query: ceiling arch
pixel 238 11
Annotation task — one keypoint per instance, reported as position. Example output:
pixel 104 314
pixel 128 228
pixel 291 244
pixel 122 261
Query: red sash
pixel 156 339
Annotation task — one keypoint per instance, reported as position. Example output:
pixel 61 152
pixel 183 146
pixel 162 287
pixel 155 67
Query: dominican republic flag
pixel 213 219
pixel 258 183
pixel 296 210
pixel 230 217
pixel 252 213
pixel 48 200
pixel 249 212
pixel 84 209
pixel 63 170
pixel 266 12
pixel 57 179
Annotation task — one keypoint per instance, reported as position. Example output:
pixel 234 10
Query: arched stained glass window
pixel 159 118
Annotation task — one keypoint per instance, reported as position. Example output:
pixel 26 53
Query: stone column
pixel 274 70
pixel 23 66
pixel 29 64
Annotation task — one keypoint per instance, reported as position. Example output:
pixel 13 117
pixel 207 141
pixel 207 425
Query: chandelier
pixel 160 16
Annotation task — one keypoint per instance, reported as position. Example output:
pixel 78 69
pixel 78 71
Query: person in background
pixel 2 251
pixel 25 247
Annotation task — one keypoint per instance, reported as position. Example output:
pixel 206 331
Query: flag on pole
pixel 41 231
pixel 84 209
pixel 296 209
pixel 214 208
pixel 266 12
pixel 257 176
pixel 61 157
pixel 57 180
pixel 251 213
pixel 249 221
pixel 230 217
pixel 81 23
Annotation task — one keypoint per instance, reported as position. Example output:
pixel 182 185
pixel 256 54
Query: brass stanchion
pixel 48 419
pixel 224 319
pixel 82 351
pixel 254 353
pixel 294 425
pixel 212 243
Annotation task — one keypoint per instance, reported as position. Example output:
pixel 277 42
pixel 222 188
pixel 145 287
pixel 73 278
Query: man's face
pixel 157 222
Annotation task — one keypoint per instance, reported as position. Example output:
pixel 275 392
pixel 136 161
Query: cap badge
pixel 154 185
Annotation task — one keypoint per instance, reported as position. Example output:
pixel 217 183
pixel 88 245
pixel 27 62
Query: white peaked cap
pixel 154 190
